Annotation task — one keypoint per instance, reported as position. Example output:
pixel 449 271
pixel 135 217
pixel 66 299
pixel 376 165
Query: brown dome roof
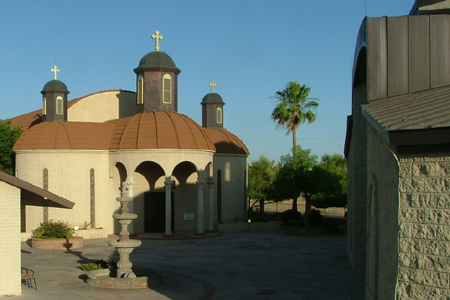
pixel 147 130
pixel 66 135
pixel 159 130
pixel 226 142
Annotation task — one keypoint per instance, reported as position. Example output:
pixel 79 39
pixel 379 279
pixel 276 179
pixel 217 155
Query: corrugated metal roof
pixel 421 110
pixel 33 195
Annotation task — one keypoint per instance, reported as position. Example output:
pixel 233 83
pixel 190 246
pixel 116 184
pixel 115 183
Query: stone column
pixel 200 208
pixel 211 205
pixel 168 184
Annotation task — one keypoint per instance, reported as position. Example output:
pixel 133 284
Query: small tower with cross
pixel 156 81
pixel 212 109
pixel 54 99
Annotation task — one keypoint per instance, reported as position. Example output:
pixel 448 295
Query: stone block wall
pixel 10 243
pixel 424 237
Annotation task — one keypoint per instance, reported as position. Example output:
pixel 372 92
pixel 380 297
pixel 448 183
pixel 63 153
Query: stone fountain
pixel 124 245
pixel 124 276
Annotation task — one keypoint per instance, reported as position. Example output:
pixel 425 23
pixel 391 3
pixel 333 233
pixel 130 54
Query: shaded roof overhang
pixel 415 119
pixel 35 196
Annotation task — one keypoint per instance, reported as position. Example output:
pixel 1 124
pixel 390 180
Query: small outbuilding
pixel 17 194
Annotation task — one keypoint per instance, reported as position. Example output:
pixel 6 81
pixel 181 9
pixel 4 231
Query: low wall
pixel 249 227
pixel 57 244
pixel 90 234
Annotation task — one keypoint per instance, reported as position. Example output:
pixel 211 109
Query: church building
pixel 398 151
pixel 183 176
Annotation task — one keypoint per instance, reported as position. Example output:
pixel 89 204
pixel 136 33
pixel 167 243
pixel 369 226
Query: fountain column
pixel 124 245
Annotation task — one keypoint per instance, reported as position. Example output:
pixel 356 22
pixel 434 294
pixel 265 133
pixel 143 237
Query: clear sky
pixel 250 48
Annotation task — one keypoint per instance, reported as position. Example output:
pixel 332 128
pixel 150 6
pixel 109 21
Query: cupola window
pixel 167 89
pixel 140 90
pixel 44 106
pixel 59 105
pixel 219 115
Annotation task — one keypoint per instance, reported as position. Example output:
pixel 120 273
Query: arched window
pixel 219 116
pixel 167 89
pixel 140 90
pixel 59 105
pixel 44 105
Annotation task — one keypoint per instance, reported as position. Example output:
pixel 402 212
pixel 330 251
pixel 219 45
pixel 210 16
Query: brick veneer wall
pixel 424 237
pixel 10 243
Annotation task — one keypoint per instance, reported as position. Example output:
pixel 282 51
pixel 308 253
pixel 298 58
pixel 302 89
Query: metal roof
pixel 35 196
pixel 413 112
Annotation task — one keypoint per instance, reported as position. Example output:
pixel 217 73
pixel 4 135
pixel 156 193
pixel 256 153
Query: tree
pixel 261 174
pixel 294 108
pixel 294 177
pixel 8 137
pixel 330 182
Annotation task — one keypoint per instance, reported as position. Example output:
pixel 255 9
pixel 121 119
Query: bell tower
pixel 157 81
pixel 54 99
pixel 212 109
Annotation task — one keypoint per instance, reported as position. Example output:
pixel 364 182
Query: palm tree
pixel 294 108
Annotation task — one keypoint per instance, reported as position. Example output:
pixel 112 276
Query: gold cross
pixel 54 70
pixel 157 37
pixel 212 85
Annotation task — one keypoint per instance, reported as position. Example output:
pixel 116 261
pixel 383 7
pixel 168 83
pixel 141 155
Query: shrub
pixel 97 265
pixel 295 223
pixel 53 230
pixel 332 226
pixel 256 217
pixel 315 218
pixel 290 214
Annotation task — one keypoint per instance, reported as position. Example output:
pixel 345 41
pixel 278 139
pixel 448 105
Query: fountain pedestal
pixel 125 277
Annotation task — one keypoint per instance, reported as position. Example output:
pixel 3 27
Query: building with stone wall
pixel 183 176
pixel 398 151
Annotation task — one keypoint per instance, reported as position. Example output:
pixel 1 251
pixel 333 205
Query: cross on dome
pixel 212 84
pixel 54 70
pixel 157 37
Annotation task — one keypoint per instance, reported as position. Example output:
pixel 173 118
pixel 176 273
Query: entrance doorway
pixel 155 211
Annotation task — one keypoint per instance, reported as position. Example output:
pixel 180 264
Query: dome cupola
pixel 157 81
pixel 54 99
pixel 212 109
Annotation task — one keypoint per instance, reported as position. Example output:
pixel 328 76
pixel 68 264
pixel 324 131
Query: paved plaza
pixel 241 266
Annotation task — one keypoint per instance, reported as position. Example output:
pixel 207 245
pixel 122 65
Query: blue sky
pixel 251 49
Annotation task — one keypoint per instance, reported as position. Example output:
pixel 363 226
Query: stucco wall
pixel 234 187
pixel 69 177
pixel 103 106
pixel 357 184
pixel 10 243
pixel 382 219
pixel 424 239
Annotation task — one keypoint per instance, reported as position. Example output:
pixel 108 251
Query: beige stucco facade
pixel 103 106
pixel 69 174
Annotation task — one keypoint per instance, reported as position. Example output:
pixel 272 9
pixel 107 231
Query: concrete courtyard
pixel 239 266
